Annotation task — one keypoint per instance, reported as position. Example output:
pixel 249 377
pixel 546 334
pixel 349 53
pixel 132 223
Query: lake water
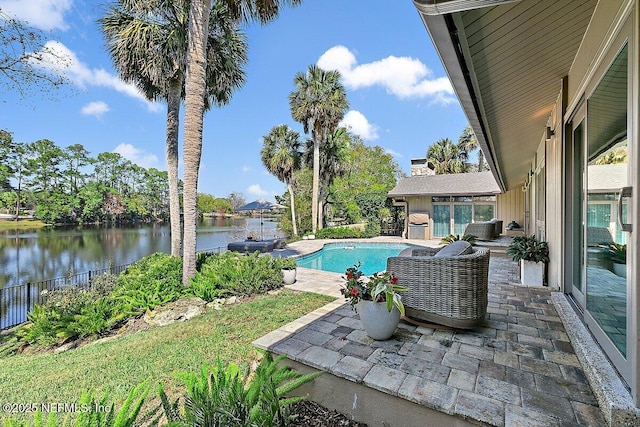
pixel 29 256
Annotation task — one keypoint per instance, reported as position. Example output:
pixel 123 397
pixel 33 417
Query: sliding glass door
pixel 598 159
pixel 607 160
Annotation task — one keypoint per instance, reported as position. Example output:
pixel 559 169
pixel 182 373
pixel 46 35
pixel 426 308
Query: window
pixel 483 212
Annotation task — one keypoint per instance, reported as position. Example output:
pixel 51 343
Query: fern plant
pixel 94 413
pixel 229 396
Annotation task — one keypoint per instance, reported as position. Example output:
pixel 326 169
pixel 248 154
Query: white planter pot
pixel 378 323
pixel 532 273
pixel 620 269
pixel 289 276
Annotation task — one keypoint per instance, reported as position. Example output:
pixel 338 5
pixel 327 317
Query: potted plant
pixel 532 255
pixel 376 300
pixel 618 256
pixel 289 268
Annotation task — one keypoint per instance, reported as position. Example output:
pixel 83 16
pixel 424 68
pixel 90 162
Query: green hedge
pixel 153 281
pixel 232 273
pixel 339 233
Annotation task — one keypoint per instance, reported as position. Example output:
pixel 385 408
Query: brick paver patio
pixel 519 368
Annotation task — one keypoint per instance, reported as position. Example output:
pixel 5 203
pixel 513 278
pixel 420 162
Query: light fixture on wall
pixel 549 133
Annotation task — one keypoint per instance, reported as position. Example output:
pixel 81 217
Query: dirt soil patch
pixel 311 414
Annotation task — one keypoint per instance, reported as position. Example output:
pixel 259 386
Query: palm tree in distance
pixel 446 157
pixel 262 11
pixel 333 164
pixel 147 41
pixel 281 156
pixel 468 142
pixel 319 102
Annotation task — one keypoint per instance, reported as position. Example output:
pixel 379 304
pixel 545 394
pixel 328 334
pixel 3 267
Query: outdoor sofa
pixel 250 246
pixel 448 286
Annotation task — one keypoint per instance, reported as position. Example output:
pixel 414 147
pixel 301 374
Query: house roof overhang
pixel 506 61
pixel 456 184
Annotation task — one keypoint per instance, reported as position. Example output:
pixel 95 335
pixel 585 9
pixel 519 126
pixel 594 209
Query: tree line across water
pixel 69 186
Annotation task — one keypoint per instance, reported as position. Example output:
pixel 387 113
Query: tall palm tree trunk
pixel 194 115
pixel 173 112
pixel 316 180
pixel 480 160
pixel 320 207
pixel 293 209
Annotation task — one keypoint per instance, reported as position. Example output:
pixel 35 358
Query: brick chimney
pixel 421 167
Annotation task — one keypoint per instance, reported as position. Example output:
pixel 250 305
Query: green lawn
pixel 119 364
pixel 23 224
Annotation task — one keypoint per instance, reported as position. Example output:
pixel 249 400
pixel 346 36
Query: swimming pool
pixel 337 257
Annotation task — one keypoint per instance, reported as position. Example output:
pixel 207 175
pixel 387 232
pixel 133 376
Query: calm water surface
pixel 29 256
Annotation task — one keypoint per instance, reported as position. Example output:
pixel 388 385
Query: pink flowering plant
pixel 380 287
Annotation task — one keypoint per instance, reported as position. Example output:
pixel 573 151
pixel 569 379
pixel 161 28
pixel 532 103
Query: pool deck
pixel 518 369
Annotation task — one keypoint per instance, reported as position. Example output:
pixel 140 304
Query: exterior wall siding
pixel 554 199
pixel 510 206
pixel 420 204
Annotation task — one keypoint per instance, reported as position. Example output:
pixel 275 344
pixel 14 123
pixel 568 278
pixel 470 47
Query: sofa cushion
pixel 459 247
pixel 406 252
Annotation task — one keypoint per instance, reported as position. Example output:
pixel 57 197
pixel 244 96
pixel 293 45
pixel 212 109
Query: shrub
pixel 48 326
pixel 466 237
pixel 74 312
pixel 69 312
pixel 287 263
pixel 232 273
pixel 528 248
pixel 338 233
pixel 229 396
pixel 152 281
pixel 372 228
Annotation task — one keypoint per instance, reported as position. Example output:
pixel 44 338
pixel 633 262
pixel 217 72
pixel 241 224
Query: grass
pixel 23 224
pixel 117 365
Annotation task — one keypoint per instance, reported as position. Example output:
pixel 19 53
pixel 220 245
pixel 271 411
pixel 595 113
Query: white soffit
pixel 506 64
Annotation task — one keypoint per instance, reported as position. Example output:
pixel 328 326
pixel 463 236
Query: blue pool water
pixel 337 257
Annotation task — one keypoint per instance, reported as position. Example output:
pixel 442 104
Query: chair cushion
pixel 459 247
pixel 406 252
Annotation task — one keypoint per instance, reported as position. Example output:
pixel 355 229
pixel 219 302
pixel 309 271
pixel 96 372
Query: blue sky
pixel 400 97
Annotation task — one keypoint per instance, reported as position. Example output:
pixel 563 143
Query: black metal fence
pixel 17 301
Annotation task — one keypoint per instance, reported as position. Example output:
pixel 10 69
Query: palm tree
pixel 446 156
pixel 468 142
pixel 147 40
pixel 319 103
pixel 333 164
pixel 195 85
pixel 281 156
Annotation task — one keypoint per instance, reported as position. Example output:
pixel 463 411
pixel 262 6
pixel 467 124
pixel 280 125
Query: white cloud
pixel 245 168
pixel 96 108
pixel 403 77
pixel 256 190
pixel 393 153
pixel 59 59
pixel 357 123
pixel 137 156
pixel 42 14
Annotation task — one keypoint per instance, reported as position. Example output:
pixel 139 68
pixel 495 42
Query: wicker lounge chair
pixel 482 230
pixel 498 224
pixel 598 236
pixel 451 291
